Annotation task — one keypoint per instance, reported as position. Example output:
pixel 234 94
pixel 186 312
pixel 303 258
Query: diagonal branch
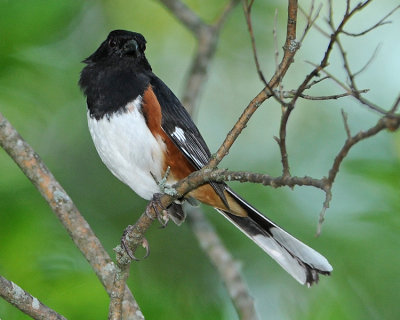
pixel 381 22
pixel 25 302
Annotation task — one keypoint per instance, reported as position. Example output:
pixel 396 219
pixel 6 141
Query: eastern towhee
pixel 140 129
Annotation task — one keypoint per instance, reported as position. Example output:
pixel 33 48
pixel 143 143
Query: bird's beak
pixel 130 47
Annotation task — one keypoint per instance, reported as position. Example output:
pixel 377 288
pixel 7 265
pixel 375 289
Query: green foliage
pixel 41 46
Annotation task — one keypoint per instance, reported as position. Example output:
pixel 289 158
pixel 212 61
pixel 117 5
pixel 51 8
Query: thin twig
pixel 376 25
pixel 346 124
pixel 247 14
pixel 395 105
pixel 311 23
pixel 383 123
pixel 391 123
pixel 292 93
pixel 374 54
pixel 219 175
pixel 25 302
pixel 310 20
pixel 276 55
pixel 333 40
pixel 355 93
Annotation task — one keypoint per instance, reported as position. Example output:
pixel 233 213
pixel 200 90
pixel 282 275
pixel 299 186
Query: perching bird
pixel 140 129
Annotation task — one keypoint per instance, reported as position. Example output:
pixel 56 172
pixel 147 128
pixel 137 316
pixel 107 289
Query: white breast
pixel 128 148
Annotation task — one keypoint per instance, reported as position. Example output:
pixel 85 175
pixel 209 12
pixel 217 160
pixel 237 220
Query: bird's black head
pixel 116 73
pixel 120 45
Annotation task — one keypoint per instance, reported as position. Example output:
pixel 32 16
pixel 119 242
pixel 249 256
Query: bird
pixel 143 134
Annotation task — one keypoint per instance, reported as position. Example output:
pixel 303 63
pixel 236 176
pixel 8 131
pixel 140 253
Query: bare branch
pixel 25 302
pixel 383 123
pixel 292 93
pixel 376 25
pixel 333 40
pixel 310 20
pixel 395 105
pixel 313 83
pixel 346 124
pixel 282 140
pixel 374 54
pixel 391 123
pixel 218 175
pixel 247 14
pixel 325 206
pixel 311 23
pixel 355 93
pixel 274 32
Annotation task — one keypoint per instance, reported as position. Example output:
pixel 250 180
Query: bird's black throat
pixel 109 88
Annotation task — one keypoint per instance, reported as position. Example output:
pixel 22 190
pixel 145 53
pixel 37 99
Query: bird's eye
pixel 112 43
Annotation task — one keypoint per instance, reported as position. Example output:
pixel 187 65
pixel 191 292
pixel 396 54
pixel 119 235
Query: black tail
pixel 300 261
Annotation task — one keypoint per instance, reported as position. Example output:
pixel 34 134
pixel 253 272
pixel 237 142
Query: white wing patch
pixel 186 145
pixel 179 134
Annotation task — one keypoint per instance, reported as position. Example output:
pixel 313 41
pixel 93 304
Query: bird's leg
pixel 162 184
pixel 162 215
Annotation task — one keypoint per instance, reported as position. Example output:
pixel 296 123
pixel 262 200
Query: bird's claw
pixel 160 211
pixel 128 250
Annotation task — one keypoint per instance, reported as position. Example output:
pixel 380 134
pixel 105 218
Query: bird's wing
pixel 179 126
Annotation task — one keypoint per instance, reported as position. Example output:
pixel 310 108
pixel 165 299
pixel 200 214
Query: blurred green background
pixel 41 46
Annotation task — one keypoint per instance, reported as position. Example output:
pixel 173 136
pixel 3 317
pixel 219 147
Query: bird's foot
pixel 125 243
pixel 161 213
pixel 162 184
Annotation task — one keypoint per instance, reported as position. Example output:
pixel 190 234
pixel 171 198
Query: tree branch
pixel 381 22
pixel 25 302
pixel 247 14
